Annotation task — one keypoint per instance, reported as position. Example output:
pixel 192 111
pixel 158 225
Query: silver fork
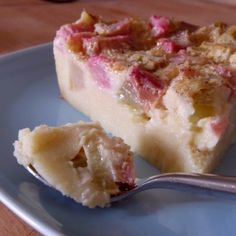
pixel 178 181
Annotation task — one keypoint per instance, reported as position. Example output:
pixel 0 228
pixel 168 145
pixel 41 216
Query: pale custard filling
pixel 79 160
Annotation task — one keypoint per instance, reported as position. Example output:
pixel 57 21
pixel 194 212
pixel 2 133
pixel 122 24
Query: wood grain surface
pixel 24 23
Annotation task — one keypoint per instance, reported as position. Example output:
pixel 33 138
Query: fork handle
pixel 219 183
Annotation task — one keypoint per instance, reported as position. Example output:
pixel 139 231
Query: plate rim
pixel 19 210
pixel 24 50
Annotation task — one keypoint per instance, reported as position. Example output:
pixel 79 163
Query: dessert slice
pixel 79 160
pixel 165 86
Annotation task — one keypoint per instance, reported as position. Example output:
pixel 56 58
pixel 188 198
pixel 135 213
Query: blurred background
pixel 25 23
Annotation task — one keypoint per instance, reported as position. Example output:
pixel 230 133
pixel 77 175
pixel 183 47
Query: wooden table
pixel 25 23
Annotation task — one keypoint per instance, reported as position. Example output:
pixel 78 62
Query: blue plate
pixel 29 96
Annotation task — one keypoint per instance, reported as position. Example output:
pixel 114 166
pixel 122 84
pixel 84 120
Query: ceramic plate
pixel 29 96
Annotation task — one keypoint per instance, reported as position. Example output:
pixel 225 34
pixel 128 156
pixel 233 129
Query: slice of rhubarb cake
pixel 79 160
pixel 165 86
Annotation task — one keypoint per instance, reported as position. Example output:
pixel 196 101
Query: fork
pixel 207 183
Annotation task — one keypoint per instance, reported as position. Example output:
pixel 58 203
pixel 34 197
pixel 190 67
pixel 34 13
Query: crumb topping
pixel 198 62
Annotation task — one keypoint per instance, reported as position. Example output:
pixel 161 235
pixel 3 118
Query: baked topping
pixel 155 56
pixel 198 62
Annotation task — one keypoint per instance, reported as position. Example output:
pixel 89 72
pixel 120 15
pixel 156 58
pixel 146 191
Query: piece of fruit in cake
pixel 165 86
pixel 79 160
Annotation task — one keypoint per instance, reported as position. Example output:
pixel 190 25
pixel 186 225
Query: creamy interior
pixel 79 160
pixel 166 139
